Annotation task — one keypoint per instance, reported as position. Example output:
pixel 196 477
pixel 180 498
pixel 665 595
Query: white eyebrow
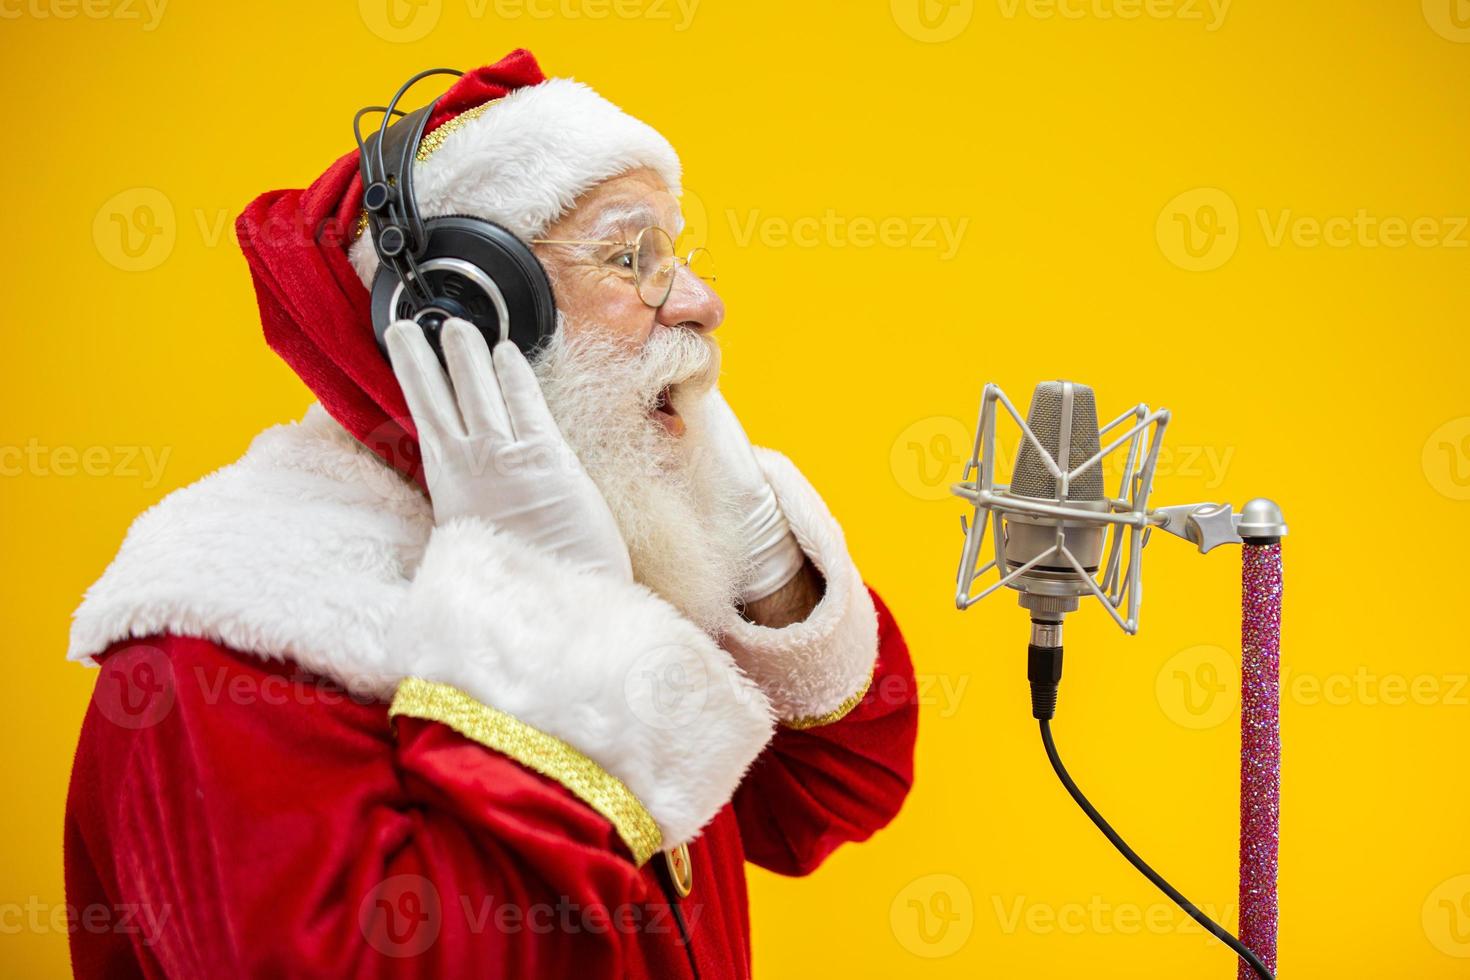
pixel 624 218
pixel 617 217
pixel 636 216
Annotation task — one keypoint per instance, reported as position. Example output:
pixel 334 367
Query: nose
pixel 692 303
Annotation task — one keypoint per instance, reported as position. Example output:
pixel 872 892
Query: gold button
pixel 681 869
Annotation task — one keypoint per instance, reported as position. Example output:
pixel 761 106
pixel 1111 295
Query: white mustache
pixel 591 378
pixel 677 358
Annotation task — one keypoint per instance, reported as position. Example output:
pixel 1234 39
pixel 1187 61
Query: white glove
pixel 491 449
pixel 769 544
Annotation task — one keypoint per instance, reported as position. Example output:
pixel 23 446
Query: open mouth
pixel 666 415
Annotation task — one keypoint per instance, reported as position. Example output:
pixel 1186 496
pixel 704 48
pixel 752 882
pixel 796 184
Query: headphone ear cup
pixel 478 271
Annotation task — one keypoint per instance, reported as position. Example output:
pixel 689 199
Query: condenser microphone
pixel 1056 533
pixel 1063 430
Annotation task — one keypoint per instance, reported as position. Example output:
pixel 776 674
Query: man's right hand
pixel 491 448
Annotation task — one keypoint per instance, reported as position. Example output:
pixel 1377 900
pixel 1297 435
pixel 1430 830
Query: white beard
pixel 682 532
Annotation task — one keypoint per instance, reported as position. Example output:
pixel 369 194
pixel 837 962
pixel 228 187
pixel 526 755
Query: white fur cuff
pixel 816 670
pixel 605 666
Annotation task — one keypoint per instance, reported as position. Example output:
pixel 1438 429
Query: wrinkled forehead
pixel 622 215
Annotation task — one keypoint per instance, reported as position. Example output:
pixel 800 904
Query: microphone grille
pixel 1031 478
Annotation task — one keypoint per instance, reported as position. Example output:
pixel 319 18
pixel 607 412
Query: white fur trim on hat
pixel 526 159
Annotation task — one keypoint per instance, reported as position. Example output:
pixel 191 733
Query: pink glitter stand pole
pixel 1260 747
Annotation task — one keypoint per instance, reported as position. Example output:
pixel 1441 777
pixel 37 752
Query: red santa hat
pixel 504 143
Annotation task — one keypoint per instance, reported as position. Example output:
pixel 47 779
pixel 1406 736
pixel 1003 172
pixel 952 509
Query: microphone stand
pixel 1261 529
pixel 1258 528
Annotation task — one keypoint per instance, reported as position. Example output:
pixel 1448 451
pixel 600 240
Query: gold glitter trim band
pixel 836 714
pixel 536 750
pixel 432 141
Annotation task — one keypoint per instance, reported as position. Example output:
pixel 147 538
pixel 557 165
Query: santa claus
pixel 500 668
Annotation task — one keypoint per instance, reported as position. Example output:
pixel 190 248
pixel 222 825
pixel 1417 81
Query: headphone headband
pixel 456 266
pixel 393 214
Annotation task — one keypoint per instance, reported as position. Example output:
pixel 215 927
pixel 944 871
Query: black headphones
pixel 454 266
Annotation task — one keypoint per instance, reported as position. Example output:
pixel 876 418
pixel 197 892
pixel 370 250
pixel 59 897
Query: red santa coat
pixel 329 739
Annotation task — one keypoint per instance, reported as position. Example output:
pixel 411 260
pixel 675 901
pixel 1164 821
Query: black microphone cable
pixel 1044 670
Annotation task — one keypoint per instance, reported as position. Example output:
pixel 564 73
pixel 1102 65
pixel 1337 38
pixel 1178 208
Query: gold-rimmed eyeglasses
pixel 650 259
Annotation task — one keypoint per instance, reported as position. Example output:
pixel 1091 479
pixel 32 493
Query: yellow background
pixel 1077 143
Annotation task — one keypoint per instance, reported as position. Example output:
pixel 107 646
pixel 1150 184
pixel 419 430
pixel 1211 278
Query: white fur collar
pixel 297 551
pixel 311 549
